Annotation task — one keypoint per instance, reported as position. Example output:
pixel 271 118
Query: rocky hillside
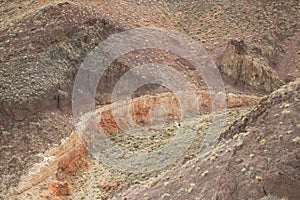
pixel 44 43
pixel 41 53
pixel 254 44
pixel 257 156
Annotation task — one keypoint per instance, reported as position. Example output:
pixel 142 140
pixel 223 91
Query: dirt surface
pixel 43 43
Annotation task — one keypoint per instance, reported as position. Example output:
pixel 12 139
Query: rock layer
pixel 244 67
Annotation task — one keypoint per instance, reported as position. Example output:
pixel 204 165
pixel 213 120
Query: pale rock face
pixel 242 66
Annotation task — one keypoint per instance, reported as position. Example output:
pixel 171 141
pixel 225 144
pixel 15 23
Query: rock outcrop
pixel 246 68
pixel 140 108
pixel 67 157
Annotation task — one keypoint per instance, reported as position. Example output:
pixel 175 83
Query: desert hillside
pixel 227 89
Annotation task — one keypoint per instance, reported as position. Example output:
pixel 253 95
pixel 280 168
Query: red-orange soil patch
pixel 72 162
pixel 60 188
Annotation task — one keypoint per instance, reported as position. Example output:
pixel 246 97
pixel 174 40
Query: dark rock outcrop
pixel 244 67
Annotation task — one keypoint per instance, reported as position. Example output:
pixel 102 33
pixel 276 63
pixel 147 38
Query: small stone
pixel 243 169
pixel 166 183
pixel 280 137
pixel 251 155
